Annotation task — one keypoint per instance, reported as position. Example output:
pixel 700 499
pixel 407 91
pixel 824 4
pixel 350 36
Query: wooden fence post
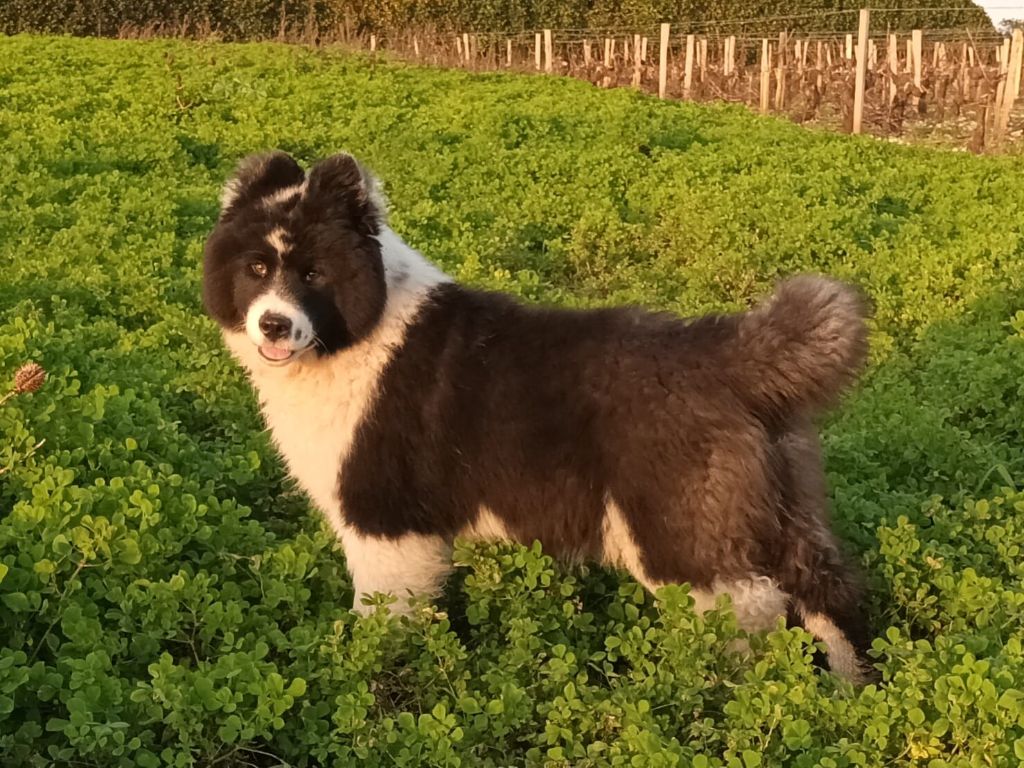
pixel 688 67
pixel 849 47
pixel 508 52
pixel 703 58
pixel 663 61
pixel 916 39
pixel 862 66
pixel 643 50
pixel 1011 86
pixel 548 52
pixel 607 52
pixel 766 73
pixel 780 83
pixel 637 71
pixel 909 65
pixel 373 43
pixel 894 66
pixel 465 47
pixel 536 51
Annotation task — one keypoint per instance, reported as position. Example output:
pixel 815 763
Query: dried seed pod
pixel 29 378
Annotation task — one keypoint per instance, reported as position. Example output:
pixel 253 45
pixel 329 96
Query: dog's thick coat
pixel 414 410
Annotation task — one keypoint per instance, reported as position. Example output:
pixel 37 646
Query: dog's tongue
pixel 275 353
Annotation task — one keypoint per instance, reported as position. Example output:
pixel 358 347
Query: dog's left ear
pixel 260 176
pixel 340 187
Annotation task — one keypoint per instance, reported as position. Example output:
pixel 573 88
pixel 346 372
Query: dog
pixel 414 410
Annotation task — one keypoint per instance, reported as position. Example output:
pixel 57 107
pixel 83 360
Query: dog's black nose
pixel 275 326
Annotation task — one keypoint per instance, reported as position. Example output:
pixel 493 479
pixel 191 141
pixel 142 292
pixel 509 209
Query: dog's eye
pixel 258 268
pixel 310 275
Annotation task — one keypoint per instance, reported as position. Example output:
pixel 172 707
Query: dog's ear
pixel 340 187
pixel 259 176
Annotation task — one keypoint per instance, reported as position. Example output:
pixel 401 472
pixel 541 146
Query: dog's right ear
pixel 259 176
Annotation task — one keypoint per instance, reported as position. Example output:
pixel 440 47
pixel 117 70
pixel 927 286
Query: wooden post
pixel 607 52
pixel 963 72
pixel 688 67
pixel 780 82
pixel 663 62
pixel 508 52
pixel 703 58
pixel 643 50
pixel 894 66
pixel 970 54
pixel 766 73
pixel 536 51
pixel 373 43
pixel 637 71
pixel 916 39
pixel 465 46
pixel 416 46
pixel 1011 87
pixel 586 52
pixel 862 67
pixel 849 47
pixel 1016 63
pixel 819 59
pixel 909 64
pixel 872 54
pixel 548 52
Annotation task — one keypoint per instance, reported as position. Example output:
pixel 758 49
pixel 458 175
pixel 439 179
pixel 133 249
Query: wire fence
pixel 955 84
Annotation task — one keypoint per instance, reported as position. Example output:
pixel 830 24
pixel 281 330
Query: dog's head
pixel 294 261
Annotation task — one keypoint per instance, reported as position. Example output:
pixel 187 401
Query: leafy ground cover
pixel 168 598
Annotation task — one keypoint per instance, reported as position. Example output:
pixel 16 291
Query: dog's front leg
pixel 408 566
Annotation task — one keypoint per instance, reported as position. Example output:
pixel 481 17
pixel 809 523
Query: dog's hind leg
pixel 826 594
pixel 657 557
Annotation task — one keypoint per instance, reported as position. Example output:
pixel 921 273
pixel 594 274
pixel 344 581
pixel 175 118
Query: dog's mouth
pixel 273 355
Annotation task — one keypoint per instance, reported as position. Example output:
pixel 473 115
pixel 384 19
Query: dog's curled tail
pixel 804 345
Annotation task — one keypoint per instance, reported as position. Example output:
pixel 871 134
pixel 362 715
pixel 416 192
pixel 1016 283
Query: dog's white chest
pixel 314 410
pixel 313 421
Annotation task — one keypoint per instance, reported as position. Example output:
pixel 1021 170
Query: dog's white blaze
pixel 285 194
pixel 620 549
pixel 314 407
pixel 277 241
pixel 412 565
pixel 486 527
pixel 842 657
pixel 273 301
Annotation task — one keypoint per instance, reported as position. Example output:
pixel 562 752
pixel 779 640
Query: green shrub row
pixel 339 19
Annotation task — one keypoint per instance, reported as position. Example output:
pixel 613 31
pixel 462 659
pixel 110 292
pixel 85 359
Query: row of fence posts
pixel 863 51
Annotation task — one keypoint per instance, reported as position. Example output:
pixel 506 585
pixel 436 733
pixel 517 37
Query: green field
pixel 168 598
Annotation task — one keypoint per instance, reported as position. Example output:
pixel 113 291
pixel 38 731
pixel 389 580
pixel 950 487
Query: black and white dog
pixel 413 410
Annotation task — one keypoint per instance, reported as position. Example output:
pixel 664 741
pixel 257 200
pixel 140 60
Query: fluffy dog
pixel 414 410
